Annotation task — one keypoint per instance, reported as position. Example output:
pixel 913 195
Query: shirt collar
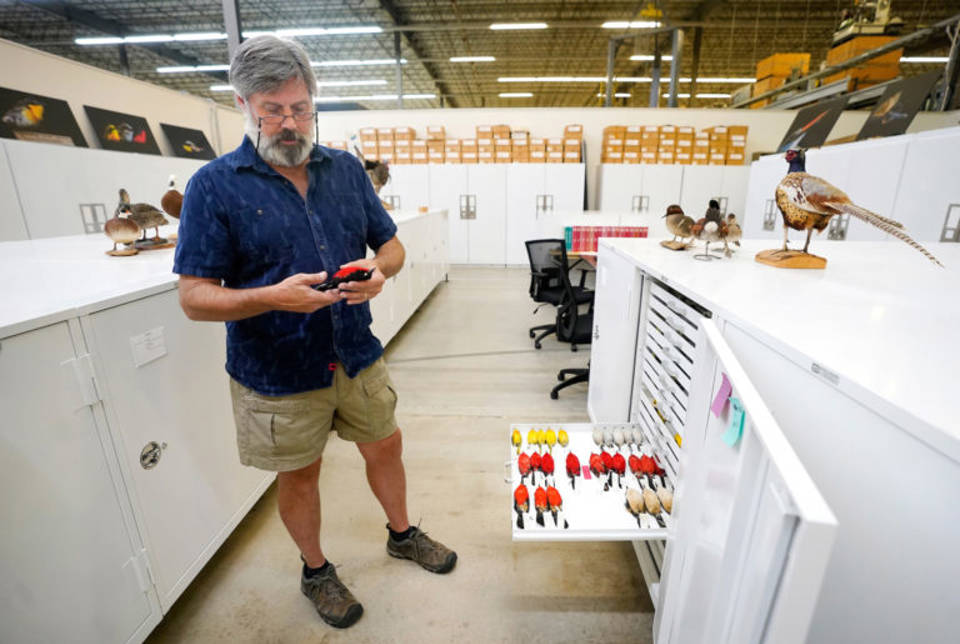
pixel 246 156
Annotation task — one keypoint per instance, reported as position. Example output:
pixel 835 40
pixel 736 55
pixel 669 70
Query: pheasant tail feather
pixel 883 224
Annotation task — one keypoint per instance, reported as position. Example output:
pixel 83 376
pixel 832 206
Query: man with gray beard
pixel 259 228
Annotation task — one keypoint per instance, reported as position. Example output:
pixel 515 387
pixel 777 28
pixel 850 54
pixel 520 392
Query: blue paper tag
pixel 735 429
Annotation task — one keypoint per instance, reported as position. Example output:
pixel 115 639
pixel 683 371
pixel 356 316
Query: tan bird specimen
pixel 678 224
pixel 733 236
pixel 122 230
pixel 172 200
pixel 145 215
pixel 808 202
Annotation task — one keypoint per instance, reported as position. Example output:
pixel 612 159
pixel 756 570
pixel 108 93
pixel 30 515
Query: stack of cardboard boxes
pixel 774 70
pixel 334 145
pixel 876 70
pixel 674 144
pixel 572 143
pixel 403 145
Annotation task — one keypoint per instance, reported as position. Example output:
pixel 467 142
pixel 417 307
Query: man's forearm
pixel 208 302
pixel 390 257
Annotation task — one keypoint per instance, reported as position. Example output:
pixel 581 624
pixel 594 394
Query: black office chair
pixel 548 267
pixel 576 327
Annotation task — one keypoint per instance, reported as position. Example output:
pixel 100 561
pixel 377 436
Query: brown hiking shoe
pixel 335 604
pixel 431 554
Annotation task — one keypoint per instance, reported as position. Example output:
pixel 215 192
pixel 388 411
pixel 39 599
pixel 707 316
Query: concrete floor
pixel 464 369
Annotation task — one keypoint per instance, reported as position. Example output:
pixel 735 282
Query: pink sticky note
pixel 720 400
pixel 586 472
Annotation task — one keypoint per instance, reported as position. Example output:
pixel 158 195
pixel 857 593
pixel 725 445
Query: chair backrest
pixel 573 325
pixel 545 265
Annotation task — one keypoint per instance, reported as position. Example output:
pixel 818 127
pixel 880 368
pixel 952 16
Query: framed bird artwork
pixel 32 117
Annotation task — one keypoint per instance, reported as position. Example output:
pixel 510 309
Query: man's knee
pixel 384 449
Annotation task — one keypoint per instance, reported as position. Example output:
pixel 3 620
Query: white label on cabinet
pixel 148 346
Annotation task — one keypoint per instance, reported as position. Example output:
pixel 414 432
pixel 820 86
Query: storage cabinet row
pixel 911 178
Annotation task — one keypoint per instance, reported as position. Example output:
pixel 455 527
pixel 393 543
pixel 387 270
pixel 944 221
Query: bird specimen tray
pixel 591 505
pixel 790 259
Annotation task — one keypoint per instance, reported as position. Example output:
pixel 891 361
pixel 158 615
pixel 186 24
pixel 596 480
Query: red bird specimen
pixel 647 465
pixel 573 469
pixel 555 502
pixel 546 466
pixel 619 466
pixel 608 468
pixel 535 465
pixel 523 464
pixel 634 463
pixel 808 202
pixel 521 503
pixel 540 503
pixel 596 465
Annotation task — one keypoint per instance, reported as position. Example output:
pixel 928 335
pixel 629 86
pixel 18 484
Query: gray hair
pixel 264 63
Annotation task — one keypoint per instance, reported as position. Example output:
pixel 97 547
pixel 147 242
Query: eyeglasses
pixel 278 119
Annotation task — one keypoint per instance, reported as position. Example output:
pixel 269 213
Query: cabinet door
pixel 525 206
pixel 615 318
pixel 621 187
pixel 69 567
pixel 189 502
pixel 12 226
pixel 761 218
pixel 872 180
pixel 409 183
pixel 734 190
pixel 487 240
pixel 448 183
pixel 701 183
pixel 565 187
pixel 929 193
pixel 662 184
pixel 753 533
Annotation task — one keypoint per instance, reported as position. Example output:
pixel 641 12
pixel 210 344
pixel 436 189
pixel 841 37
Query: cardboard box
pixel 503 156
pixel 407 133
pixel 631 156
pixel 861 44
pixel 501 131
pixel 612 156
pixel 648 157
pixel 484 151
pixel 483 156
pixel 403 157
pixel 368 148
pixel 468 157
pixel 735 157
pixel 484 131
pixel 454 157
pixel 435 156
pixel 571 156
pixel 384 134
pixel 436 132
pixel 538 154
pixel 451 146
pixel 631 144
pixel 767 84
pixel 403 144
pixel 782 65
pixel 468 145
pixel 574 130
pixel 685 144
pixel 866 75
pixel 485 140
pixel 436 144
pixel 554 157
pixel 683 158
pixel 387 157
pixel 419 145
pixel 686 131
pixel 572 142
pixel 503 144
pixel 419 157
pixel 520 135
pixel 718 158
pixel 538 141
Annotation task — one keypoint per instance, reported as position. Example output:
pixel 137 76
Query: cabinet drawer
pixel 590 512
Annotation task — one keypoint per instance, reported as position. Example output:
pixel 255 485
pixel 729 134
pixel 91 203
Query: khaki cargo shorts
pixel 284 433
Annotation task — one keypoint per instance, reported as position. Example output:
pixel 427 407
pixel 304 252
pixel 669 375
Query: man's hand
pixel 297 295
pixel 359 292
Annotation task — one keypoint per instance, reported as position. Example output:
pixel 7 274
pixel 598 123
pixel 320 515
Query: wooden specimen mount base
pixel 790 259
pixel 123 252
pixel 675 245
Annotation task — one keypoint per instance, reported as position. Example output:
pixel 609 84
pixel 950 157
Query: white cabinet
pixel 662 185
pixel 564 187
pixel 408 188
pixel 526 204
pixel 197 492
pixel 928 198
pixel 733 190
pixel 12 225
pixel 621 187
pixel 448 183
pixel 761 217
pixel 615 315
pixel 72 561
pixel 701 183
pixel 872 179
pixel 487 228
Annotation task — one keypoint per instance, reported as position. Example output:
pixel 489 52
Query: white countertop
pixel 880 316
pixel 45 281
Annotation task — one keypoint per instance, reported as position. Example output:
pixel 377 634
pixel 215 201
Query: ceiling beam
pixel 413 45
pixel 90 19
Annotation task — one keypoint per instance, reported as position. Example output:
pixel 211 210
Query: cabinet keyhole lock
pixel 150 454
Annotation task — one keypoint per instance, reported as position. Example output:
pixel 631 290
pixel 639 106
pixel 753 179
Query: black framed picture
pixel 122 132
pixel 812 125
pixel 32 117
pixel 898 105
pixel 188 143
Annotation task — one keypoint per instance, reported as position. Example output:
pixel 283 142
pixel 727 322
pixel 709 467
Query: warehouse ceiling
pixel 734 35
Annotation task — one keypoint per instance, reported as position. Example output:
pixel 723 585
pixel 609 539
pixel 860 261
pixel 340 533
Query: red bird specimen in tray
pixel 596 465
pixel 619 466
pixel 608 468
pixel 634 463
pixel 807 203
pixel 540 503
pixel 546 466
pixel 521 503
pixel 573 469
pixel 535 461
pixel 523 464
pixel 555 502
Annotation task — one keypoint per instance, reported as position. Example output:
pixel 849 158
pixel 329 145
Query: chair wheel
pixel 573 347
pixel 554 395
pixel 536 345
pixel 560 377
pixel 532 334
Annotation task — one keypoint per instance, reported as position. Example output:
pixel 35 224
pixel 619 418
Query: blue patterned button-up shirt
pixel 243 223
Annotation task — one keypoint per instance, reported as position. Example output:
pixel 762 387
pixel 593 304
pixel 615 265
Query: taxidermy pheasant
pixel 808 202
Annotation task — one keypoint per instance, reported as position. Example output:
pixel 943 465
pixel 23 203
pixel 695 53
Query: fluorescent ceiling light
pixel 720 79
pixel 509 26
pixel 419 96
pixel 212 68
pixel 636 24
pixel 515 94
pixel 221 88
pixel 472 59
pixel 705 95
pixel 152 38
pixel 370 29
pixel 646 57
pixel 105 40
pixel 299 32
pixel 349 83
pixel 202 35
pixel 924 59
pixel 180 69
pixel 616 95
pixel 618 79
pixel 358 63
pixel 148 38
pixel 370 97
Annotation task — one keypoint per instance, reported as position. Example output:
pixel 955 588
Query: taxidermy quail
pixel 808 202
pixel 172 200
pixel 145 215
pixel 678 224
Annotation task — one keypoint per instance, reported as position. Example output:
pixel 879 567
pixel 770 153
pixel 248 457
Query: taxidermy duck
pixel 145 215
pixel 733 236
pixel 709 230
pixel 122 230
pixel 172 200
pixel 808 202
pixel 678 224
